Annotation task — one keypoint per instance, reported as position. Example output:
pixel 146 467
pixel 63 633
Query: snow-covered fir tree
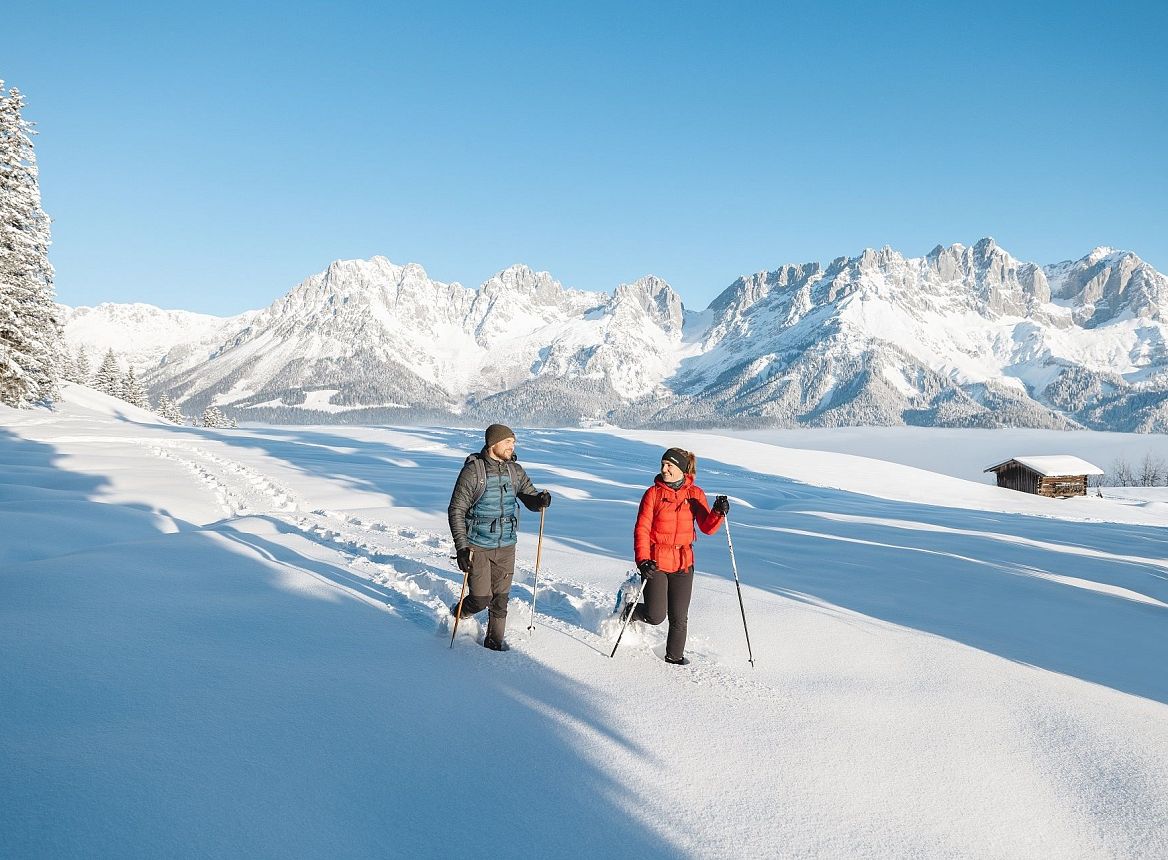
pixel 68 367
pixel 30 336
pixel 213 417
pixel 132 391
pixel 169 410
pixel 75 366
pixel 84 371
pixel 108 378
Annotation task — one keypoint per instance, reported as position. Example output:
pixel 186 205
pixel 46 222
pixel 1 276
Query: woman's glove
pixel 647 567
pixel 544 499
pixel 721 505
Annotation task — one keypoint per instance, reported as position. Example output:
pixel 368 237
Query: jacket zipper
pixel 499 539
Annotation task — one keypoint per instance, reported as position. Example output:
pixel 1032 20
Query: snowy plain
pixel 234 643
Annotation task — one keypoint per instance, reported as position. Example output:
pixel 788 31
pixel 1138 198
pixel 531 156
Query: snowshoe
pixel 496 644
pixel 680 661
pixel 626 596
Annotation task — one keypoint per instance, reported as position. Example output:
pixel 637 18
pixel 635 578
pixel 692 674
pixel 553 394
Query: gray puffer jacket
pixel 482 509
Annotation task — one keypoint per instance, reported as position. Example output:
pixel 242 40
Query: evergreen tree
pixel 169 410
pixel 69 371
pixel 75 366
pixel 108 378
pixel 84 371
pixel 133 392
pixel 30 335
pixel 213 417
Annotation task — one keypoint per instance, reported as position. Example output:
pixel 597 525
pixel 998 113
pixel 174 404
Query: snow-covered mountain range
pixel 964 336
pixel 144 335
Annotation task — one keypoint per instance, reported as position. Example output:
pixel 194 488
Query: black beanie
pixel 679 458
pixel 497 433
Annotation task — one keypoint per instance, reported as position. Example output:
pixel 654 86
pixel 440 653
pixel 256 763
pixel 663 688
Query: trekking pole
pixel 535 584
pixel 458 612
pixel 738 585
pixel 628 617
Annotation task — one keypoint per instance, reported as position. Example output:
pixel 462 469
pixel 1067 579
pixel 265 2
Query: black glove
pixel 464 560
pixel 647 567
pixel 543 499
pixel 721 505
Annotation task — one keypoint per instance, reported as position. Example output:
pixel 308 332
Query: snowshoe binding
pixel 626 597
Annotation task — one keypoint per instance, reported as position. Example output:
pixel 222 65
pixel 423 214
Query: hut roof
pixel 1051 465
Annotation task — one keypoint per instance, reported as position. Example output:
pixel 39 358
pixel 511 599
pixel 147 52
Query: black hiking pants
pixel 668 594
pixel 489 583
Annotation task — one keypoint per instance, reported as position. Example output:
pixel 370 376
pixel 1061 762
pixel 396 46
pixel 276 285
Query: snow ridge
pixel 963 336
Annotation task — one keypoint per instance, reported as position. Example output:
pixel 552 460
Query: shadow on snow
pixel 202 692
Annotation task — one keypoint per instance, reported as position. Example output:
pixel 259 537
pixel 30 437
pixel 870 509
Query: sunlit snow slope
pixel 236 643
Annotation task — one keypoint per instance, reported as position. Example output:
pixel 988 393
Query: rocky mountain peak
pixel 1108 283
pixel 657 299
pixel 872 259
pixel 751 290
pixel 363 284
pixel 521 279
pixel 1100 252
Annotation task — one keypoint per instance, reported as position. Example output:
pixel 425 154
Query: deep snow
pixel 235 643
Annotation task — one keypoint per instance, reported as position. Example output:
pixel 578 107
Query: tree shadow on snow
pixel 49 511
pixel 212 692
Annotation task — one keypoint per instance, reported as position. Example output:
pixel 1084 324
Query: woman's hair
pixel 684 460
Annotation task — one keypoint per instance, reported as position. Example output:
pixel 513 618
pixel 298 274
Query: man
pixel 484 522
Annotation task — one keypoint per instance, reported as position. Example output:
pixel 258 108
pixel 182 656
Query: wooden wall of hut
pixel 1025 480
pixel 1063 485
pixel 1018 477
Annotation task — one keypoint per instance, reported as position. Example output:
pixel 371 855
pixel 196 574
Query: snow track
pixel 239 490
pixel 410 569
pixel 414 571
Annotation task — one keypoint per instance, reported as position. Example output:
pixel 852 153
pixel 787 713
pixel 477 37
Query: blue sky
pixel 211 156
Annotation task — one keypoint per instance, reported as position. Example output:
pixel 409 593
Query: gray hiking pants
pixel 668 594
pixel 489 584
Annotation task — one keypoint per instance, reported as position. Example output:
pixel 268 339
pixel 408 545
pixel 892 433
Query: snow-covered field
pixel 234 643
pixel 967 453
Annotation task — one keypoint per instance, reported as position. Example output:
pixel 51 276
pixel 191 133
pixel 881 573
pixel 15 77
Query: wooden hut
pixel 1056 476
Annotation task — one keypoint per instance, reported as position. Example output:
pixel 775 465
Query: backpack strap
pixel 480 486
pixel 480 476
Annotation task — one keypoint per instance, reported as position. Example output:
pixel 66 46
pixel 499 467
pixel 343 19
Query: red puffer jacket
pixel 665 524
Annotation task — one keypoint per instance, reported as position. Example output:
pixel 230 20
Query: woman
pixel 663 545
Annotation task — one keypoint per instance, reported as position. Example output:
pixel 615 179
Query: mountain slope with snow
pixel 146 336
pixel 237 643
pixel 963 337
